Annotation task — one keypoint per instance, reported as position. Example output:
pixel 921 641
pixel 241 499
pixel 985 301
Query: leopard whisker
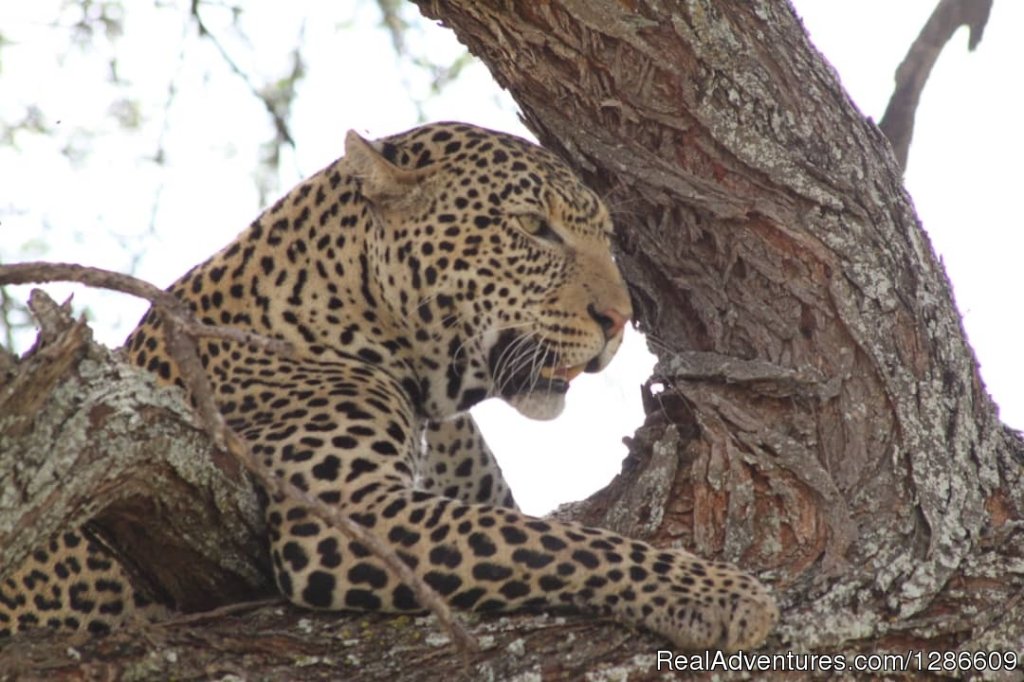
pixel 511 360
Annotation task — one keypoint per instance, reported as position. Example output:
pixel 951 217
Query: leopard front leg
pixel 458 463
pixel 361 455
pixel 487 558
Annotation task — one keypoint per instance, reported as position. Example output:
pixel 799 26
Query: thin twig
pixel 28 273
pixel 280 124
pixel 226 610
pixel 181 331
pixel 216 331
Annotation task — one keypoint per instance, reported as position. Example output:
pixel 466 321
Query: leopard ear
pixel 380 179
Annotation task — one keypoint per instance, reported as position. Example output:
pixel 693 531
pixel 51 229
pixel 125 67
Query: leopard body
pixel 416 276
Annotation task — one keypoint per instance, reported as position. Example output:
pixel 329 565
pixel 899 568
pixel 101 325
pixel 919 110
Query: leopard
pixel 416 276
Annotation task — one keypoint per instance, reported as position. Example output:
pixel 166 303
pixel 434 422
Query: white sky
pixel 964 170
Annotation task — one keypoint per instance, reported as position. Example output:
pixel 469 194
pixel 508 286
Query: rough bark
pixel 816 414
pixel 815 387
pixel 87 438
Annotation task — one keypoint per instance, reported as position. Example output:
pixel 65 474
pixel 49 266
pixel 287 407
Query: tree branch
pixel 898 121
pixel 89 438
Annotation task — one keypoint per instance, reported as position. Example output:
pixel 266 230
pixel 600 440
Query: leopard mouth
pixel 563 374
pixel 521 367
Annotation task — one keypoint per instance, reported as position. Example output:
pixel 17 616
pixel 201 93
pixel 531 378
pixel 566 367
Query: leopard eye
pixel 538 226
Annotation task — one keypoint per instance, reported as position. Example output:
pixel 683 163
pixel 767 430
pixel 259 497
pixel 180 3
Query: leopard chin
pixel 538 405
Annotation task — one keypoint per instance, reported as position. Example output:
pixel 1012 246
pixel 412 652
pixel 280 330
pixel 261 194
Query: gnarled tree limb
pixel 85 437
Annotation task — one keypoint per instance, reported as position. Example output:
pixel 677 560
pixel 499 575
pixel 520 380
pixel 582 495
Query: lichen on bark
pixel 84 437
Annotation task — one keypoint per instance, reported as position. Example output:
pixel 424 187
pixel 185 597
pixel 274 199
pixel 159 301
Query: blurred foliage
pixel 93 30
pixel 395 20
pixel 4 42
pixel 32 122
pixel 14 316
pixel 94 19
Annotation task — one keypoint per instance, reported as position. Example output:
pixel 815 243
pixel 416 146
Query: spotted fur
pixel 417 276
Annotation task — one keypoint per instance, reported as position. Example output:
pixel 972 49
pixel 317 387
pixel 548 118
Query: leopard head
pixel 494 260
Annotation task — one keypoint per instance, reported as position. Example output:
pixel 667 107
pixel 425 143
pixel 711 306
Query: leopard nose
pixel 610 320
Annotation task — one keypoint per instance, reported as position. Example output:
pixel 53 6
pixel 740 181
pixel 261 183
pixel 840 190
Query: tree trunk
pixel 816 415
